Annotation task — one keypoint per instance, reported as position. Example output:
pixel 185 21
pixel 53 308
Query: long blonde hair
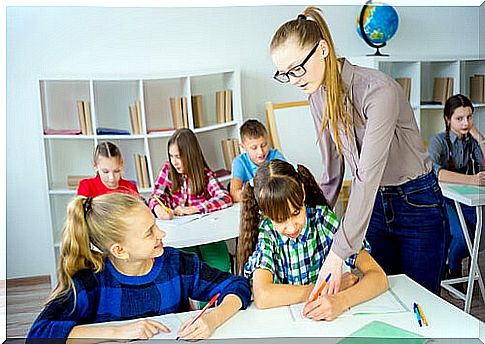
pixel 91 222
pixel 307 30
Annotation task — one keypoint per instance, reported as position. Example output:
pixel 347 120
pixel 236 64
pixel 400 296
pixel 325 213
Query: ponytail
pixel 249 227
pixel 313 194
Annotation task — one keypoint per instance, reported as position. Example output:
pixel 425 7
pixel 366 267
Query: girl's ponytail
pixel 313 194
pixel 248 235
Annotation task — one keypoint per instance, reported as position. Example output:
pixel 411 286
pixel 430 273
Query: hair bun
pixel 301 17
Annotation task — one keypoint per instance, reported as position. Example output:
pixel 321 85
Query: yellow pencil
pixel 167 209
pixel 422 315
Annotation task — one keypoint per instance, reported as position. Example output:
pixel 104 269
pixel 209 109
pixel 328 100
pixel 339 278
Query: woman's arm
pixel 373 283
pixel 207 324
pixel 268 294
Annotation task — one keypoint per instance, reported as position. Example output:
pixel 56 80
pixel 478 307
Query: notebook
pixel 381 332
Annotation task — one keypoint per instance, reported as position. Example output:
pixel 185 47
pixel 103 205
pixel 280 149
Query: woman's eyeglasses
pixel 296 71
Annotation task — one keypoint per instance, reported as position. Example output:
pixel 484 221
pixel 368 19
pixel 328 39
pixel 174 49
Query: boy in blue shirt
pixel 254 141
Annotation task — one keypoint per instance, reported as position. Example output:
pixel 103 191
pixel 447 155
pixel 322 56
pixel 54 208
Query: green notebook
pixel 380 332
pixel 466 189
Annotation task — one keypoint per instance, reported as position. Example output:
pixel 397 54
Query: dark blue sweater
pixel 110 295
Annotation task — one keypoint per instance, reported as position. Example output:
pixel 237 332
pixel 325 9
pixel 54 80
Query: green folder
pixel 380 332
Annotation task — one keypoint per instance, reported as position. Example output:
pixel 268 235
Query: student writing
pixel 283 253
pixel 254 142
pixel 187 185
pixel 130 275
pixel 109 166
pixel 457 156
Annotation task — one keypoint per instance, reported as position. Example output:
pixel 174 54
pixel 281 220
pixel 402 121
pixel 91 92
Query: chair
pixel 291 131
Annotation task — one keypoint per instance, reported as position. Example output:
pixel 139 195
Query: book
pixel 133 120
pixel 138 116
pixel 222 172
pixel 197 113
pixel 111 131
pixel 228 105
pixel 139 176
pixel 81 117
pixel 477 88
pixel 439 89
pixel 371 332
pixel 176 112
pixel 48 131
pixel 236 148
pixel 87 116
pixel 220 106
pixel 159 130
pixel 406 86
pixel 144 171
pixel 73 181
pixel 228 153
pixel 185 115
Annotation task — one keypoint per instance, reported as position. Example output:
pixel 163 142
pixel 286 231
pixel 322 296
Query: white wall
pixel 45 42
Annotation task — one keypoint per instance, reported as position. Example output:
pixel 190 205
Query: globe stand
pixel 378 52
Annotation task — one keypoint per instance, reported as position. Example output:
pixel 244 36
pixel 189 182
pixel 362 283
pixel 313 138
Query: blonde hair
pixel 90 221
pixel 307 30
pixel 108 150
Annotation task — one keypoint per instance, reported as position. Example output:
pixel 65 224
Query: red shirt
pixel 93 187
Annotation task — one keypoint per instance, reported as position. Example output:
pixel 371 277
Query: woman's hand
pixel 202 328
pixel 180 211
pixel 333 265
pixel 141 329
pixel 161 213
pixel 326 307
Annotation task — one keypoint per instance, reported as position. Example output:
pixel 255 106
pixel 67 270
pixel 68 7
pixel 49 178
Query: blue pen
pixel 416 312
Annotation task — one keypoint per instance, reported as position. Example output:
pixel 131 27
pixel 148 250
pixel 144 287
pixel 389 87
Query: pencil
pixel 319 291
pixel 167 209
pixel 206 307
pixel 421 314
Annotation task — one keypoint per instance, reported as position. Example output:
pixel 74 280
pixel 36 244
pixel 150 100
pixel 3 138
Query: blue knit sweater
pixel 110 295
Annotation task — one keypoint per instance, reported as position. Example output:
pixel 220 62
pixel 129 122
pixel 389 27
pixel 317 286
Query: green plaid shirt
pixel 297 261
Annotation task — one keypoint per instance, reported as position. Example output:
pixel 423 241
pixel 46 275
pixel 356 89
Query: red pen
pixel 207 306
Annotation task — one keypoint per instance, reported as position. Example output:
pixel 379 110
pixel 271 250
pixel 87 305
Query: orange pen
pixel 317 294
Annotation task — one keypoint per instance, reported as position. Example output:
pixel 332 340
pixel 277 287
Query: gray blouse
pixel 438 151
pixel 385 148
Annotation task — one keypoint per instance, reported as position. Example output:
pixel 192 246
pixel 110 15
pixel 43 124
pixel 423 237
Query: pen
pixel 319 291
pixel 167 209
pixel 416 312
pixel 421 314
pixel 209 304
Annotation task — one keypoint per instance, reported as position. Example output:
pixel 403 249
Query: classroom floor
pixel 24 302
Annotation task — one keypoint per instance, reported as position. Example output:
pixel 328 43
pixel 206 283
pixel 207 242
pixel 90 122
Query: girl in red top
pixel 108 164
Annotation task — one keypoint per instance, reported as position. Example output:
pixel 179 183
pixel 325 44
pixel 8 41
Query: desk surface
pixel 217 226
pixel 467 194
pixel 445 320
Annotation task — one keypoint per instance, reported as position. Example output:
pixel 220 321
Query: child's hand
pixel 141 329
pixel 200 329
pixel 162 214
pixel 348 280
pixel 479 178
pixel 326 307
pixel 181 211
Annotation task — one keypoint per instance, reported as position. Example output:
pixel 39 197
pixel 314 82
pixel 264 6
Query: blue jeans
pixel 458 249
pixel 408 230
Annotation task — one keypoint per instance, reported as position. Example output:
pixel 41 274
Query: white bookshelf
pixel 422 73
pixel 109 99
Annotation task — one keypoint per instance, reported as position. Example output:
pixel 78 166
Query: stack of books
pixel 84 114
pixel 477 88
pixel 141 164
pixel 230 150
pixel 197 111
pixel 224 106
pixel 135 118
pixel 178 108
pixel 73 181
pixel 442 89
pixel 406 86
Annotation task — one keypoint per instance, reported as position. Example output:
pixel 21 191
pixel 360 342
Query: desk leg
pixel 473 249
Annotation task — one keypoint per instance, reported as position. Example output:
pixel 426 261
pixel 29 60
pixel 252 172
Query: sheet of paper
pixel 178 220
pixel 369 333
pixel 385 303
pixel 173 322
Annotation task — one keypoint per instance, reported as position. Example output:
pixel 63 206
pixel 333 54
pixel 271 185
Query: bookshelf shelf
pixel 423 75
pixel 141 106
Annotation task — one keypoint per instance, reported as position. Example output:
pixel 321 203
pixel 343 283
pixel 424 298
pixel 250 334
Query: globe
pixel 377 24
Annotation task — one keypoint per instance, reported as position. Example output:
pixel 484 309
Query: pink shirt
pixel 386 148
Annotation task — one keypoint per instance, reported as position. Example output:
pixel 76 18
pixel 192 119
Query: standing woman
pixel 363 115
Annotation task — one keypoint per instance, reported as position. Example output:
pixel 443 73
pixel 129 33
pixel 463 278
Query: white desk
pixel 445 320
pixel 217 226
pixel 475 198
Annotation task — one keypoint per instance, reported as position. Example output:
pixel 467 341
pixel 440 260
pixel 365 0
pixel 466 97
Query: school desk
pixel 213 227
pixel 475 197
pixel 444 319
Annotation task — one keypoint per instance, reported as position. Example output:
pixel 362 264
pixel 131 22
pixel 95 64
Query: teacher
pixel 362 115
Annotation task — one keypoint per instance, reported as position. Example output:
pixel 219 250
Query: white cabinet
pixel 422 74
pixel 109 98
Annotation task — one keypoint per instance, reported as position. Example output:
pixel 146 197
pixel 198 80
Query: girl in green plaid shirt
pixel 286 234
